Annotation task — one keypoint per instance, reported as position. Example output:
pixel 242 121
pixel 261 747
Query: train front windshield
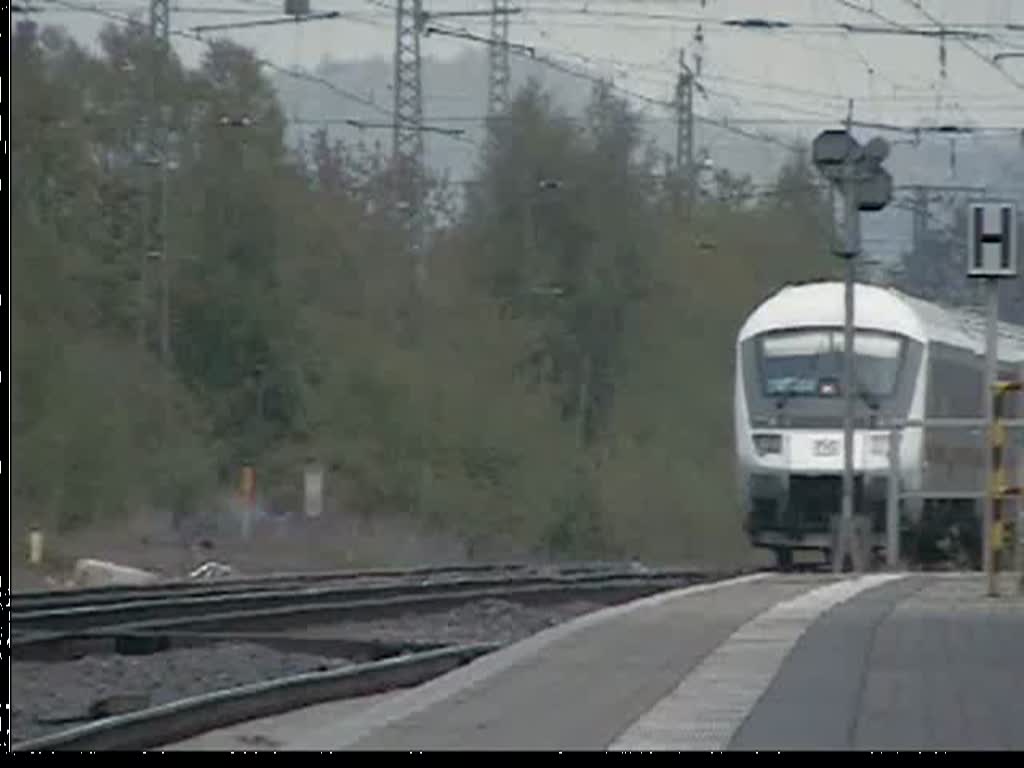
pixel 809 363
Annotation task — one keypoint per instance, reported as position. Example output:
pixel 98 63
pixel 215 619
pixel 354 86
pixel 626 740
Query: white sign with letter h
pixel 992 239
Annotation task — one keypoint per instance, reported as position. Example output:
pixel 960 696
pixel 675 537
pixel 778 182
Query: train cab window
pixel 878 361
pixel 809 363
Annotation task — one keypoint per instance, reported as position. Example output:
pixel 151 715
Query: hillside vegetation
pixel 562 387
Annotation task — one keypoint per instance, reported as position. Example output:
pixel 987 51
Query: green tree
pixel 88 438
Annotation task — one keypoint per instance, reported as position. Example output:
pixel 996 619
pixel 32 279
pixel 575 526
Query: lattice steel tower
pixel 499 73
pixel 407 145
pixel 685 171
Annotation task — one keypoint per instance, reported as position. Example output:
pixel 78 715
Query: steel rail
pixel 39 600
pixel 178 720
pixel 114 593
pixel 258 603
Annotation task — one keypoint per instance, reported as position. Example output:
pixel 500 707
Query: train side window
pixel 957 385
pixel 945 395
pixel 936 405
pixel 959 382
pixel 950 387
pixel 970 397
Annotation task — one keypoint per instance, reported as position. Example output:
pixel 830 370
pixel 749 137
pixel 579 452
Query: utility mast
pixel 407 146
pixel 499 73
pixel 685 172
pixel 920 214
pixel 155 210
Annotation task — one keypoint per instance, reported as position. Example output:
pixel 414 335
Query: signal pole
pixel 865 185
pixel 407 136
pixel 499 75
pixel 991 378
pixel 851 246
pixel 684 132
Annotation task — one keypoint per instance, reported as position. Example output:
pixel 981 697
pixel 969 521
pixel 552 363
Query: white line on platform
pixel 711 703
pixel 353 729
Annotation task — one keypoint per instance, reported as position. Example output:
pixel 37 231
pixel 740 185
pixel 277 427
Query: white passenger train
pixel 914 359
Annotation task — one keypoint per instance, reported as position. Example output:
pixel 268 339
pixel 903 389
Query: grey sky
pixel 803 74
pixel 748 73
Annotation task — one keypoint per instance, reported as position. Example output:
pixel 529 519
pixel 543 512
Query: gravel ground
pixel 52 691
pixel 485 621
pixel 64 690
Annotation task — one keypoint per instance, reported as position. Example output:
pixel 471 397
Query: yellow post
pixel 995 488
pixel 1019 553
pixel 995 542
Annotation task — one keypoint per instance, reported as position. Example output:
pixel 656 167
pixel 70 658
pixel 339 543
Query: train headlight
pixel 767 444
pixel 878 445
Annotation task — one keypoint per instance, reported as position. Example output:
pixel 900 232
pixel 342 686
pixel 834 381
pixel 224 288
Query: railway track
pixel 276 626
pixel 267 618
pixel 161 725
pixel 235 584
pixel 70 598
pixel 217 605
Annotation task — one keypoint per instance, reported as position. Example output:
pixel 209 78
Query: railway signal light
pixel 296 7
pixel 856 169
pixel 832 148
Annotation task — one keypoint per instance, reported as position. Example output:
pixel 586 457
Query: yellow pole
pixel 997 542
pixel 995 483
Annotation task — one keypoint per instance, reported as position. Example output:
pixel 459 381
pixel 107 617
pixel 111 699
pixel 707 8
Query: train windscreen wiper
pixel 783 397
pixel 869 398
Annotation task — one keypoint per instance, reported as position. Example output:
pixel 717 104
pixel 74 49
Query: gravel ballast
pixel 43 693
pixel 483 621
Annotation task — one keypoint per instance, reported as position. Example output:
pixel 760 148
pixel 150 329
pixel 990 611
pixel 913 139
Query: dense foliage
pixel 568 386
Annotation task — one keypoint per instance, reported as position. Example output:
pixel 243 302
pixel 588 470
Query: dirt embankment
pixel 269 544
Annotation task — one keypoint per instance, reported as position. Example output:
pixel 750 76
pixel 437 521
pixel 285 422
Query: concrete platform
pixel 772 662
pixel 924 664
